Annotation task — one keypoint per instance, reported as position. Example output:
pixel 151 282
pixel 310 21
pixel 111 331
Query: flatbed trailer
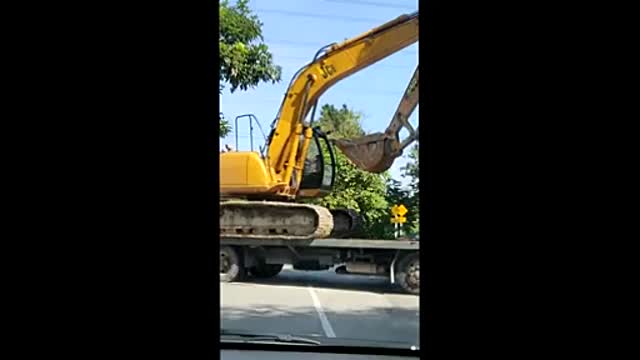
pixel 262 258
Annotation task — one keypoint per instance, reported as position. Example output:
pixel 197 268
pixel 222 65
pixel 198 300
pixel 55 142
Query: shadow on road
pixel 376 324
pixel 331 280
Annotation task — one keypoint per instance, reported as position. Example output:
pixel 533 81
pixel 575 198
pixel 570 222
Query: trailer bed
pixel 326 243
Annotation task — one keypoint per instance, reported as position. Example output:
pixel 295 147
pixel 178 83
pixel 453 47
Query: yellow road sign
pixel 399 210
pixel 398 220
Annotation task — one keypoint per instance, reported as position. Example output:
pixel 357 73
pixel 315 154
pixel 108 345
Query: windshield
pixel 360 289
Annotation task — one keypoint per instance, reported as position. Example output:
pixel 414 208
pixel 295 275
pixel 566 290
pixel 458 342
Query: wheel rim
pixel 413 275
pixel 225 262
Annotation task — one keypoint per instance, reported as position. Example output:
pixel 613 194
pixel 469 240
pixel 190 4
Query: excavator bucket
pixel 376 152
pixel 373 153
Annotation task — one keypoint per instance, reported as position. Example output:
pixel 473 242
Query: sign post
pixel 398 219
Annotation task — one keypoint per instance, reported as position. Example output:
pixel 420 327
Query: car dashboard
pixel 292 355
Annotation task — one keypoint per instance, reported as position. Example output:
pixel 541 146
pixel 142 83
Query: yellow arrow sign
pixel 398 220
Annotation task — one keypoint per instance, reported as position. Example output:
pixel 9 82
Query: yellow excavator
pixel 258 191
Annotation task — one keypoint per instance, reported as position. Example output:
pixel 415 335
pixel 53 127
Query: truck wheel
pixel 231 265
pixel 408 273
pixel 264 271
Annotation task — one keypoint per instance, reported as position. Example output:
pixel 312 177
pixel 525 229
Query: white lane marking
pixel 221 307
pixel 326 326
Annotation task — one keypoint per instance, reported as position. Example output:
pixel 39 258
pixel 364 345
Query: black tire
pixel 408 273
pixel 231 264
pixel 264 271
pixel 341 270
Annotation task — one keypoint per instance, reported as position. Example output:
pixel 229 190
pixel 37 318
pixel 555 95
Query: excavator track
pixel 346 222
pixel 271 219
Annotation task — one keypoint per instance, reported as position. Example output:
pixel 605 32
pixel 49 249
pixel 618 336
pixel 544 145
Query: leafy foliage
pixel 245 61
pixel 409 197
pixel 225 127
pixel 412 168
pixel 398 195
pixel 341 123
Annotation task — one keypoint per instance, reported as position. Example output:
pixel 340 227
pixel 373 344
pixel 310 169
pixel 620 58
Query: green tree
pixel 408 196
pixel 342 123
pixel 354 188
pixel 412 168
pixel 412 171
pixel 225 127
pixel 245 61
pixel 396 194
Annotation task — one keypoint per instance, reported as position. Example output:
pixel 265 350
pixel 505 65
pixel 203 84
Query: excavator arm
pixel 291 136
pixel 377 152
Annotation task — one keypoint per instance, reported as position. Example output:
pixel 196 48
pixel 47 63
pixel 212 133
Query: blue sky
pixel 294 30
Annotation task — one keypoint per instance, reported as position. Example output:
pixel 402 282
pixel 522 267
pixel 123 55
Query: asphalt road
pixel 321 303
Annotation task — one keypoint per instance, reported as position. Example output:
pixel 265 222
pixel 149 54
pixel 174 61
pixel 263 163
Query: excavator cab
pixel 319 171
